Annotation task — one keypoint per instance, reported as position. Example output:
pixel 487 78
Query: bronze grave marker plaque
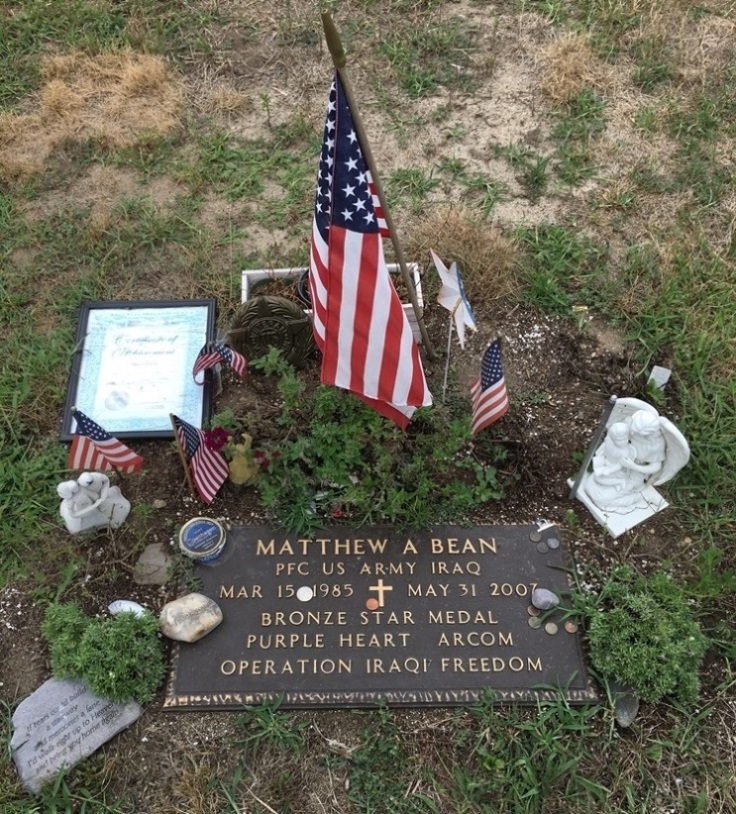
pixel 359 617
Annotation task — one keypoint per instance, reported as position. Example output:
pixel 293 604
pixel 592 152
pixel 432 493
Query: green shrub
pixel 644 634
pixel 120 657
pixel 63 628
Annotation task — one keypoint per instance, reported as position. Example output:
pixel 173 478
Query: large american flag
pixel 490 399
pixel 94 448
pixel 214 353
pixel 359 324
pixel 208 467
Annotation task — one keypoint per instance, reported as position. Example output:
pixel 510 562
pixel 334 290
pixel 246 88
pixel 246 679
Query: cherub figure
pixel 641 449
pixel 610 458
pixel 91 502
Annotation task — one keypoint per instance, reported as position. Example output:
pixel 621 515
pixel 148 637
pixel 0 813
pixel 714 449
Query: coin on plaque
pixel 542 548
pixel 570 626
pixel 532 611
pixel 535 536
pixel 551 628
pixel 534 622
pixel 553 543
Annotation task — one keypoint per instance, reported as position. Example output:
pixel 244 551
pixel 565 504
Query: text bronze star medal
pixel 358 617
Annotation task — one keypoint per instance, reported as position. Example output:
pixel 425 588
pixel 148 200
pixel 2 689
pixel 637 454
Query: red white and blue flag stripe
pixel 95 449
pixel 215 353
pixel 490 398
pixel 208 467
pixel 359 324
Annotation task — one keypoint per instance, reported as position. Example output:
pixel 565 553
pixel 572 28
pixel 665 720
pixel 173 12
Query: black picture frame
pixel 132 366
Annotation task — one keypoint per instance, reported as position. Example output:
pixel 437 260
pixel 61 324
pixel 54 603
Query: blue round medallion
pixel 202 539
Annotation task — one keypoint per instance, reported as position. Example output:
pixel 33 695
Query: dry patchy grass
pixel 486 256
pixel 113 99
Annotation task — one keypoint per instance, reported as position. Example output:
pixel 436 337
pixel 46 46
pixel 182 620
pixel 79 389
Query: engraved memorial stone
pixel 359 617
pixel 61 723
pixel 190 618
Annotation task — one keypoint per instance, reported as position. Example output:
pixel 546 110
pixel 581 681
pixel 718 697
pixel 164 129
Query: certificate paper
pixel 134 366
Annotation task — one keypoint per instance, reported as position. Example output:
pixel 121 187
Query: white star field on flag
pixel 345 193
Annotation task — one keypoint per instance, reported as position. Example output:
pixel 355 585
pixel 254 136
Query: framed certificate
pixel 132 366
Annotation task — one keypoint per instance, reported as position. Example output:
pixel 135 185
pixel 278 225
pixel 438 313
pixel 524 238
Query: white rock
pixel 544 599
pixel 190 618
pixel 153 566
pixel 126 606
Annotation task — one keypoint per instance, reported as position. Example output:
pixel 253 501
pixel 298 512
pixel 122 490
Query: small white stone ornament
pixel 641 450
pixel 190 618
pixel 126 606
pixel 90 502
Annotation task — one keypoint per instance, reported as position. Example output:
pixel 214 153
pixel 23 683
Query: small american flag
pixel 490 399
pixel 359 324
pixel 208 468
pixel 213 353
pixel 94 448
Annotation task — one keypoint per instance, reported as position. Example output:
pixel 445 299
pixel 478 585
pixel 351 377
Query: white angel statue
pixel 641 450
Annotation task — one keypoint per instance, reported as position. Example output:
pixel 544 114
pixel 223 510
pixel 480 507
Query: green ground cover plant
pixel 643 633
pixel 347 462
pixel 119 658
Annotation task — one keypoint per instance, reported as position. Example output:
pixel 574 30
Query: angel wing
pixel 625 408
pixel 677 451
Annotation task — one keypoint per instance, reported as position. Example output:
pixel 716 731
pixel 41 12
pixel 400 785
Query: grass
pixel 431 55
pixel 648 246
pixel 147 25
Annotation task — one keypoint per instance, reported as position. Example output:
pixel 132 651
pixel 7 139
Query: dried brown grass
pixel 571 66
pixel 223 100
pixel 488 259
pixel 701 49
pixel 113 99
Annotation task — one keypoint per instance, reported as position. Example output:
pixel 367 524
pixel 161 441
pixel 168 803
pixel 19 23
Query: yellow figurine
pixel 243 469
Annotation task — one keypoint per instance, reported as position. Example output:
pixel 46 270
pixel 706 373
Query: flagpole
pixel 339 59
pixel 449 350
pixel 182 456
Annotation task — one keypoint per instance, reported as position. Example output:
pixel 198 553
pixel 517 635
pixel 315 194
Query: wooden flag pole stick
pixel 447 360
pixel 183 457
pixel 339 59
pixel 593 445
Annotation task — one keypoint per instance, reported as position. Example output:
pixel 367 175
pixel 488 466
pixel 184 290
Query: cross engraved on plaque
pixel 380 589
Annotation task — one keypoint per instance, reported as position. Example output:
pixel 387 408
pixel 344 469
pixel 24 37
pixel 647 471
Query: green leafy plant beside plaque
pixel 644 634
pixel 347 462
pixel 120 657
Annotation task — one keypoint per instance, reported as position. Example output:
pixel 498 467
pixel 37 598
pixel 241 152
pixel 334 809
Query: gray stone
pixel 153 566
pixel 190 618
pixel 61 723
pixel 625 703
pixel 544 599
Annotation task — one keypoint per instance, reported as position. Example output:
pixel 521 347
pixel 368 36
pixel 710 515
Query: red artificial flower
pixel 216 438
